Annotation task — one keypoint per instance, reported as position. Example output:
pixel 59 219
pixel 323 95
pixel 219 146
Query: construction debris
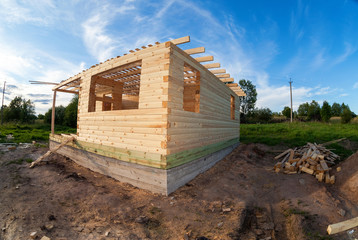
pixel 312 159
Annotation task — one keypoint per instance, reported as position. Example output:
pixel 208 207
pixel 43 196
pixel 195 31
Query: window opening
pixel 116 89
pixel 232 107
pixel 191 98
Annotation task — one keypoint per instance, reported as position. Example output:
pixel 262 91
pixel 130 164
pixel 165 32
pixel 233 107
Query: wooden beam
pixel 181 40
pixel 105 99
pixel 212 65
pixel 126 74
pixel 223 75
pixel 232 85
pixel 215 71
pixel 240 94
pixel 204 59
pixel 121 68
pixel 225 80
pixel 52 151
pixel 104 81
pixel 195 50
pixel 70 85
pixel 65 83
pixel 39 82
pixel 342 226
pixel 66 91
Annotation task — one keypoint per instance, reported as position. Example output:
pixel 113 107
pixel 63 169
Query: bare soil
pixel 241 197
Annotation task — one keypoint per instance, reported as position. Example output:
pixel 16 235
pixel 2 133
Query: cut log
pixel 324 165
pixel 328 178
pixel 333 179
pixel 307 170
pixel 331 142
pixel 282 154
pixel 342 226
pixel 52 151
pixel 320 176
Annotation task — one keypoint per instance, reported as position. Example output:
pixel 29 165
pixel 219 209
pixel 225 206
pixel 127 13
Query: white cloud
pixel 276 98
pixel 319 59
pixel 97 42
pixel 165 8
pixel 36 12
pixel 18 66
pixel 348 51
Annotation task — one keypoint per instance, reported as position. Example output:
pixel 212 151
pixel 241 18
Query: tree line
pixel 314 112
pixel 306 111
pixel 21 110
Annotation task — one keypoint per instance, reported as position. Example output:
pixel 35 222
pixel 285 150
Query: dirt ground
pixel 241 197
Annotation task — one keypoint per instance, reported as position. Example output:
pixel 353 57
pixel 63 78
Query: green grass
pixel 30 132
pixel 294 211
pixel 19 161
pixel 297 133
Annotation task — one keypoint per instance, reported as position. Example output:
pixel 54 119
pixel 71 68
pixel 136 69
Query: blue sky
pixel 268 42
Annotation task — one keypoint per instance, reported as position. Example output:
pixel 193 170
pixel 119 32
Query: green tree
pixel 248 102
pixel 70 118
pixel 336 110
pixel 286 112
pixel 326 111
pixel 262 115
pixel 20 110
pixel 41 116
pixel 346 115
pixel 303 110
pixel 314 111
pixel 59 115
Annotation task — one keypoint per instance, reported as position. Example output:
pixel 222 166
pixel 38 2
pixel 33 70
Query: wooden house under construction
pixel 155 117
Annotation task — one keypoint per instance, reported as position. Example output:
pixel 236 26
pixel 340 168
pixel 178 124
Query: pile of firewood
pixel 312 159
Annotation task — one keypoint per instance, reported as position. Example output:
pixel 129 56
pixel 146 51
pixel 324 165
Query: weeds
pixel 294 211
pixel 29 132
pixel 19 161
pixel 154 210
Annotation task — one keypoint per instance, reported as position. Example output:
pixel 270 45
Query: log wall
pixel 212 125
pixel 142 129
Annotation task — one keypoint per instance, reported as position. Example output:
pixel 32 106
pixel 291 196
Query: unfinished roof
pixel 129 75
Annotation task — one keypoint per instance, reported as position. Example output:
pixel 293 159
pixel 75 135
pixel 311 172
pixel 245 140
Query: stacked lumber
pixel 312 159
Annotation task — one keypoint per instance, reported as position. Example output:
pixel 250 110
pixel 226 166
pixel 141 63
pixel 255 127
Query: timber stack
pixel 312 159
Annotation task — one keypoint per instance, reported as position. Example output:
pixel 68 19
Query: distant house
pixel 155 117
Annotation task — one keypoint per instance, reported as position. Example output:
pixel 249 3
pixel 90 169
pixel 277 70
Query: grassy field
pixel 30 132
pixel 299 133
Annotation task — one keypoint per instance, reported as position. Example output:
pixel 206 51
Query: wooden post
pixel 53 113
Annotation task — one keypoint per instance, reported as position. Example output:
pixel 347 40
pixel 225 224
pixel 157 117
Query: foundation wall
pixel 153 179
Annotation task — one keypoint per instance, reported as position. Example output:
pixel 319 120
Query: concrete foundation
pixel 153 179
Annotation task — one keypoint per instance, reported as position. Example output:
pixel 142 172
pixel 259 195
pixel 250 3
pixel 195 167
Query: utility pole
pixel 2 104
pixel 291 96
